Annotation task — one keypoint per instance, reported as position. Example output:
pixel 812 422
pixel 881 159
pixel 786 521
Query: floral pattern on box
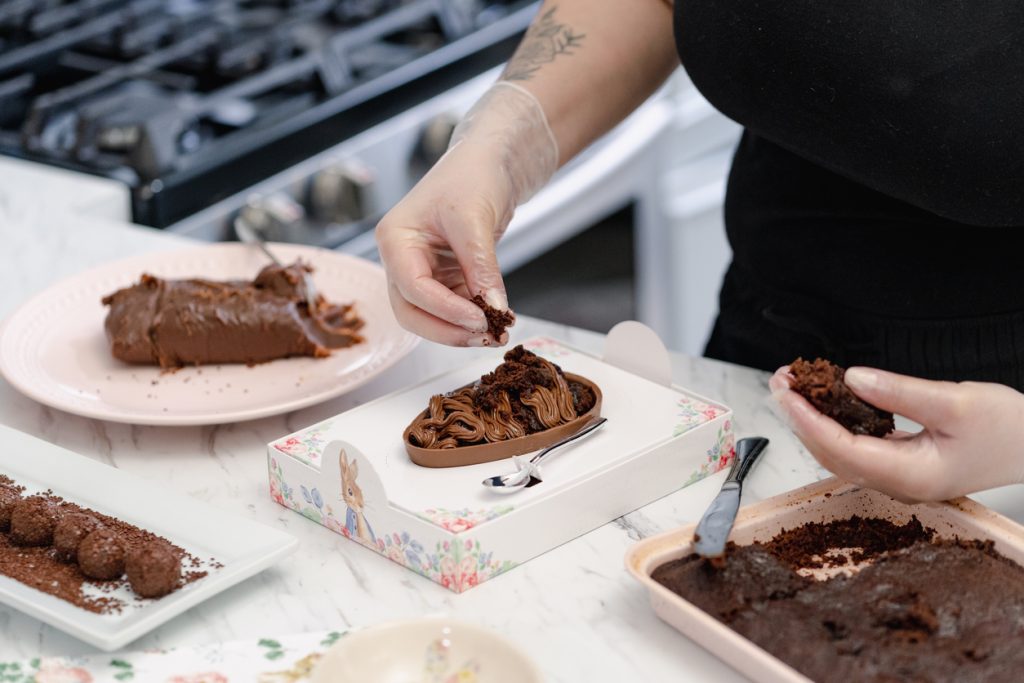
pixel 457 521
pixel 545 347
pixel 266 660
pixel 306 446
pixel 307 502
pixel 693 412
pixel 456 565
pixel 719 456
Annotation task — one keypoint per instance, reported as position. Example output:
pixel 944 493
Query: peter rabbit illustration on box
pixel 355 520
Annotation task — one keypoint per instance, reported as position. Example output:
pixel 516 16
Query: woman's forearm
pixel 591 62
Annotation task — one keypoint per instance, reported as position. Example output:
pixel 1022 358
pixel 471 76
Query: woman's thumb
pixel 923 401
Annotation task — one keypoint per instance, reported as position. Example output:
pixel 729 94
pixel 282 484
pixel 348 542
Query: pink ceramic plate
pixel 53 348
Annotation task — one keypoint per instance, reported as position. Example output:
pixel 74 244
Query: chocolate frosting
pixel 525 394
pixel 172 323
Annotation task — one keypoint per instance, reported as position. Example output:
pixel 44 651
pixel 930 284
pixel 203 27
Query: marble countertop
pixel 574 608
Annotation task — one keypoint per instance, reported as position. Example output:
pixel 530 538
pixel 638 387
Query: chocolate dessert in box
pixel 354 474
pixel 832 582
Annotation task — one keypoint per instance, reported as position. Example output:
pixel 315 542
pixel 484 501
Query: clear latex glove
pixel 972 437
pixel 438 243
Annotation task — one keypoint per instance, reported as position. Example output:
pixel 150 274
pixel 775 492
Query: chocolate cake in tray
pixel 835 583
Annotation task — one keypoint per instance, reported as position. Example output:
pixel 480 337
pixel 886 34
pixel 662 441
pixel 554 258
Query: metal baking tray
pixel 823 501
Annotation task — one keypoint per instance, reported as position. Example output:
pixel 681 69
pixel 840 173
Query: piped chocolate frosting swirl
pixel 524 395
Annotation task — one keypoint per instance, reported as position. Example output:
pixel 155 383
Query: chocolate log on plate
pixel 172 323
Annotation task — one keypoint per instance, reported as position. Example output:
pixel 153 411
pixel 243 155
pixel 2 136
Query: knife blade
pixel 714 527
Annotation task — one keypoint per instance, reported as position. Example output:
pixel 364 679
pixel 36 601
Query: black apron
pixel 876 200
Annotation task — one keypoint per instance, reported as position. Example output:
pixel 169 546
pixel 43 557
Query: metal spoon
pixel 249 234
pixel 528 473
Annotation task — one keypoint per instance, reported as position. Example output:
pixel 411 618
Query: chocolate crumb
pixel 821 383
pixel 497 321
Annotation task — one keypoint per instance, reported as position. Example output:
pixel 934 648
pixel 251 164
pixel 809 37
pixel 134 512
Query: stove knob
pixel 273 217
pixel 342 192
pixel 433 142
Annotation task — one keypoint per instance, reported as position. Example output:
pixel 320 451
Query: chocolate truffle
pixel 822 384
pixel 69 533
pixel 32 522
pixel 153 569
pixel 8 498
pixel 101 555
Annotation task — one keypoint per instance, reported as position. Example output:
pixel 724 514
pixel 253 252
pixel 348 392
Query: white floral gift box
pixel 352 475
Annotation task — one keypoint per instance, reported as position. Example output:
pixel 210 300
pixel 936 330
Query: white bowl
pixel 431 650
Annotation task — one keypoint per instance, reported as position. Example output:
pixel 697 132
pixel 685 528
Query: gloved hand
pixel 972 437
pixel 438 243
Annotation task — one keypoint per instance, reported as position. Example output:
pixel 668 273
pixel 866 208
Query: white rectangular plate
pixel 243 547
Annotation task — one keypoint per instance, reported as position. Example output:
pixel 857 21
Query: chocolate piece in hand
pixel 497 321
pixel 32 522
pixel 821 383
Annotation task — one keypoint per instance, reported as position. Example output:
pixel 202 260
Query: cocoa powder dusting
pixel 43 569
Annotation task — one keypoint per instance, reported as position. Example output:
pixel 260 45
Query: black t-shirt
pixel 882 168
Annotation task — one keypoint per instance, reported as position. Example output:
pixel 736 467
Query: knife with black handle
pixel 714 527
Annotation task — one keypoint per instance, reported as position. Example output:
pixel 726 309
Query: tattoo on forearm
pixel 545 40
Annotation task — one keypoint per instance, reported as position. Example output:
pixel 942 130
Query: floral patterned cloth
pixel 267 660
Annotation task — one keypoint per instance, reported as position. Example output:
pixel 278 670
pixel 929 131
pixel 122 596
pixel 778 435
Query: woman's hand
pixel 438 243
pixel 972 437
pixel 581 68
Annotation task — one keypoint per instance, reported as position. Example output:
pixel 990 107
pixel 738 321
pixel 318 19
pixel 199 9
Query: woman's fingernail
pixel 496 299
pixel 861 378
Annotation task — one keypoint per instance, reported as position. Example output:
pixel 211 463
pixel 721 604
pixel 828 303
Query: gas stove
pixel 189 102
